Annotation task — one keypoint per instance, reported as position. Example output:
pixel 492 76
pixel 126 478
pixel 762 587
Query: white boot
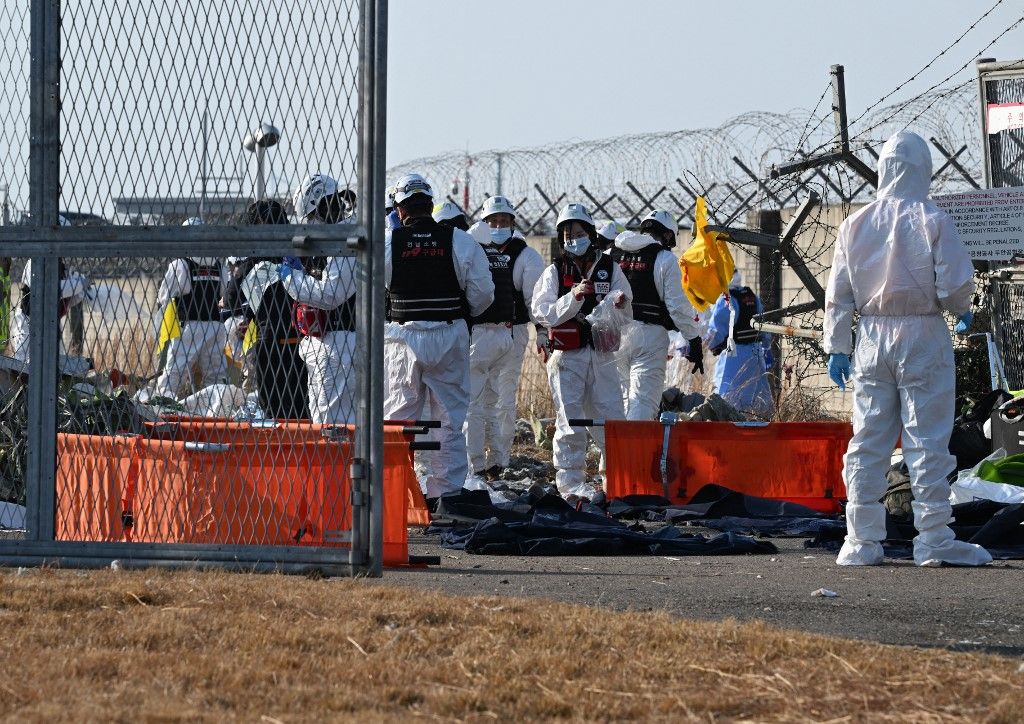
pixel 860 553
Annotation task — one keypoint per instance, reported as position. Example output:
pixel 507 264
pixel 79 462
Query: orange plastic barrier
pixel 797 461
pixel 397 456
pixel 93 473
pixel 206 482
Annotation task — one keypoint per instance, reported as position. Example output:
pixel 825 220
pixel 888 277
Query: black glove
pixel 696 356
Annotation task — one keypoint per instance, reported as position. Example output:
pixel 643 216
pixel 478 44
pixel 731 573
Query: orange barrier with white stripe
pixel 800 462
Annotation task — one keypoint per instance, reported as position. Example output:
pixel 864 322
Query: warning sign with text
pixel 1005 117
pixel 990 221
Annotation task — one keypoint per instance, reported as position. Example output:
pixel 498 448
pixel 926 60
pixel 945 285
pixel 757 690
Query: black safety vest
pixel 200 303
pixel 423 281
pixel 569 275
pixel 638 266
pixel 508 305
pixel 25 303
pixel 742 332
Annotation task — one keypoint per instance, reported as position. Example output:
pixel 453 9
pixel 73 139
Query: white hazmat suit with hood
pixel 328 356
pixel 899 262
pixel 584 382
pixel 73 287
pixel 202 341
pixel 496 357
pixel 427 361
pixel 641 357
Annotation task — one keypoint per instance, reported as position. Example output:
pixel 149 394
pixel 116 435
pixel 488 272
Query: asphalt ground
pixel 897 603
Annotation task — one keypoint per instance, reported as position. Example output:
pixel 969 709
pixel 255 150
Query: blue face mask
pixel 577 247
pixel 500 236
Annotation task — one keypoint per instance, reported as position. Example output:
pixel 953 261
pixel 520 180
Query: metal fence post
pixel 376 256
pixel 44 194
pixel 368 523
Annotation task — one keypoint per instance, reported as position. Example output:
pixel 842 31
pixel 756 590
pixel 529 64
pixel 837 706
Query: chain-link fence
pixel 184 377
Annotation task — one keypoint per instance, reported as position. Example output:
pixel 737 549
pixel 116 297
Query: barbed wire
pixel 626 174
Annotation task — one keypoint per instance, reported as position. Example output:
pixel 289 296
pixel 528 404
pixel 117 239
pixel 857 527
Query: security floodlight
pixel 258 141
pixel 263 137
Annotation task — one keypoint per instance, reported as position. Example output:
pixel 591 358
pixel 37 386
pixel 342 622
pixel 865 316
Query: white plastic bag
pixel 606 323
pixel 219 400
pixel 968 486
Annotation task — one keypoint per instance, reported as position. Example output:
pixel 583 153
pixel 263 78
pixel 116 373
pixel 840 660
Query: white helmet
pixel 575 212
pixel 193 221
pixel 62 220
pixel 389 194
pixel 310 193
pixel 610 230
pixel 497 205
pixel 447 210
pixel 664 218
pixel 410 185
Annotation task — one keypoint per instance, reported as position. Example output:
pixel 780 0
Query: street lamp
pixel 258 141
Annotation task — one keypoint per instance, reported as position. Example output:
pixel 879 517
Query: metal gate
pixel 168 397
pixel 1001 95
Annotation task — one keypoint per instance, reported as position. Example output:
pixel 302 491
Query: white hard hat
pixel 664 218
pixel 310 192
pixel 610 230
pixel 62 220
pixel 410 185
pixel 575 212
pixel 193 221
pixel 497 205
pixel 389 192
pixel 447 210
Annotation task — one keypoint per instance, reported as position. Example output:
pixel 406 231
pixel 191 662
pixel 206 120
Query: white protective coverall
pixel 328 358
pixel 72 288
pixel 495 366
pixel 584 383
pixel 641 357
pixel 899 262
pixel 428 362
pixel 200 342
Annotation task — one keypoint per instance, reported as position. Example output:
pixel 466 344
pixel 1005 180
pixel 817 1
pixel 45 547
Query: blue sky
pixel 483 74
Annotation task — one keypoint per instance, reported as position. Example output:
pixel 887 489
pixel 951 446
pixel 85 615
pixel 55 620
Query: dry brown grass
pixel 156 645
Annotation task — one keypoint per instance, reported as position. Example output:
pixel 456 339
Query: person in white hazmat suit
pixel 899 263
pixel 498 339
pixel 450 214
pixel 606 234
pixel 584 381
pixel 195 284
pixel 324 313
pixel 659 306
pixel 73 288
pixel 436 277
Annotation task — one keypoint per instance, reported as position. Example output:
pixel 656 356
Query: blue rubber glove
pixel 294 262
pixel 964 322
pixel 284 271
pixel 839 369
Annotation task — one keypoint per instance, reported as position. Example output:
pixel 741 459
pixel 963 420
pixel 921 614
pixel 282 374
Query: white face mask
pixel 577 247
pixel 500 236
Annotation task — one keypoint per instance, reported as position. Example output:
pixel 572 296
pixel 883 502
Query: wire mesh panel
pixel 1007 299
pixel 1002 97
pixel 188 339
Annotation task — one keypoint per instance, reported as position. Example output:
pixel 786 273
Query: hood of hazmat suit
pixel 898 262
